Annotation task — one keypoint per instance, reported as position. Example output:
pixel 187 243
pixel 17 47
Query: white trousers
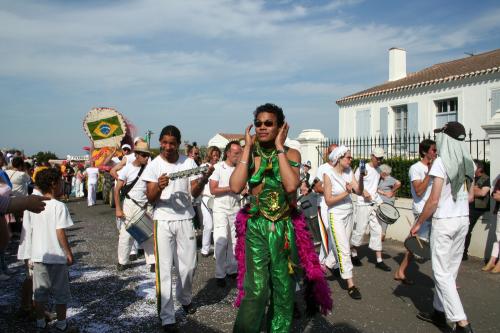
pixel 126 243
pixel 175 243
pixel 496 245
pixel 208 225
pixel 366 221
pixel 447 247
pixel 78 188
pixel 327 252
pixel 91 192
pixel 225 243
pixel 341 221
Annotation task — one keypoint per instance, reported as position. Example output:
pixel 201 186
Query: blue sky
pixel 205 65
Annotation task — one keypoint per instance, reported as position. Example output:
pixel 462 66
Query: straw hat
pixel 142 147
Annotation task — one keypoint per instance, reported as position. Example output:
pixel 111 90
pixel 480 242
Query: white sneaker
pixel 4 277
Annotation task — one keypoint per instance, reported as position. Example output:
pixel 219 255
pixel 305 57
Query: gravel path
pixel 104 300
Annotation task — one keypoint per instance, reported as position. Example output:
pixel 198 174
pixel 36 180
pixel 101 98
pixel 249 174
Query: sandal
pixel 405 280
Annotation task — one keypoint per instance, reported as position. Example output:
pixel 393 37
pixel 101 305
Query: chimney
pixel 397 64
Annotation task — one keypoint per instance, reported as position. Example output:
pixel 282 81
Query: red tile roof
pixel 476 65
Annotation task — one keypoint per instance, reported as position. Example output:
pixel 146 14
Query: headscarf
pixel 337 153
pixel 457 162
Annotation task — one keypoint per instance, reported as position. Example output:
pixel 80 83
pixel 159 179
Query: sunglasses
pixel 267 123
pixel 379 158
pixel 142 154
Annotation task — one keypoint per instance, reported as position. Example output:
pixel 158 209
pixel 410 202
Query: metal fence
pixel 404 147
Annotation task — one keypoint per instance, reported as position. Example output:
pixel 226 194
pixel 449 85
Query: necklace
pixel 269 156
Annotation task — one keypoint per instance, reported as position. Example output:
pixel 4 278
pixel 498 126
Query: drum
pixel 387 213
pixel 419 247
pixel 141 227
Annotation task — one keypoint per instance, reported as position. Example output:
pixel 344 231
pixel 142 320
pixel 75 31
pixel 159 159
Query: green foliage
pixel 400 168
pixel 42 156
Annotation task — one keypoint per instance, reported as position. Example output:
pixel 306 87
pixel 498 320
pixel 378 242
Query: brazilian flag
pixel 105 128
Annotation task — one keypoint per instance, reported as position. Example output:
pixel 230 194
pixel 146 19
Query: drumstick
pixel 418 241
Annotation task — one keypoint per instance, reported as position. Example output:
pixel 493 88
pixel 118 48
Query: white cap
pixel 127 146
pixel 378 152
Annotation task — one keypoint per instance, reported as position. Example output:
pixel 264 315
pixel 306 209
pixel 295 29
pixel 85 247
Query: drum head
pixel 419 248
pixel 389 211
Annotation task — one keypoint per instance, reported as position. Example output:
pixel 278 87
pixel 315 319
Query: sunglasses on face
pixel 266 123
pixel 379 158
pixel 145 155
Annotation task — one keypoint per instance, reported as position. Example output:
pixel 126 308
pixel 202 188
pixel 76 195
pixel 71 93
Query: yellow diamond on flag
pixel 105 129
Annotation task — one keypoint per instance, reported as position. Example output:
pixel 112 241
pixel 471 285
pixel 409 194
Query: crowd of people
pixel 245 198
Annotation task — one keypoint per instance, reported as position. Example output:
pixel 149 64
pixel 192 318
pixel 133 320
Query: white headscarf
pixel 337 153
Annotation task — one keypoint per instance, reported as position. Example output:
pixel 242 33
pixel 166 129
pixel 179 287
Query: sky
pixel 205 65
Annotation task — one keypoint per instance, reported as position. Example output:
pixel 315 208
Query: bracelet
pixel 244 162
pixel 280 151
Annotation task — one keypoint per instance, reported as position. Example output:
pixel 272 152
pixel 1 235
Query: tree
pixel 45 156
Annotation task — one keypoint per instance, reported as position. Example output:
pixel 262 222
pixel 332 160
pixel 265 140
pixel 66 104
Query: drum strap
pixel 125 189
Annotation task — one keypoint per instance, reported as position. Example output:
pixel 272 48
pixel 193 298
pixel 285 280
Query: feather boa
pixel 317 293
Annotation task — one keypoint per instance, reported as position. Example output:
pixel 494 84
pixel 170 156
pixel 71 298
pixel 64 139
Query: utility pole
pixel 148 136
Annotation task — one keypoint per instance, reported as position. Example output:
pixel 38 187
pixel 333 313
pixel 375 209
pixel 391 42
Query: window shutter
pixel 363 123
pixel 412 118
pixel 495 101
pixel 383 122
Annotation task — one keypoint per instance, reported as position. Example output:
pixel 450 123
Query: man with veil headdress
pixel 273 244
pixel 452 175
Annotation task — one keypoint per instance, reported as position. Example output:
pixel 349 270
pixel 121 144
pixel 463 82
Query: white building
pixel 220 140
pixel 466 90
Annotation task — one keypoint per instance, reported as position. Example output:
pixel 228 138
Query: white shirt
pixel 222 173
pixel 319 174
pixel 128 174
pixel 370 183
pixel 92 175
pixel 418 171
pixel 339 183
pixel 175 200
pixel 446 206
pixel 39 239
pixel 20 181
pixel 130 158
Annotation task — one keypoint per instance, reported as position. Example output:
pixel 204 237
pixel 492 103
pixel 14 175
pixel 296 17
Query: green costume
pixel 271 254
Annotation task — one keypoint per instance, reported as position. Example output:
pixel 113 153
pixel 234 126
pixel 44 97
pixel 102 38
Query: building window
pixel 400 120
pixel 446 110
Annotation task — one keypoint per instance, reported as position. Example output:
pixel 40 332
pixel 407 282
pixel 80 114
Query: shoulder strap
pixel 131 185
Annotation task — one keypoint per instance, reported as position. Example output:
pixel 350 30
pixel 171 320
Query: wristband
pixel 280 151
pixel 244 162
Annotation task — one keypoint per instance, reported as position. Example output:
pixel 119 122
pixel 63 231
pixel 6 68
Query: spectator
pixel 92 175
pixel 481 203
pixel 68 175
pixel 79 181
pixel 387 188
pixel 20 181
pixel 493 264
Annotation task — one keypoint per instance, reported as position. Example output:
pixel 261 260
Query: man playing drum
pixel 175 239
pixel 421 184
pixel 448 204
pixel 365 215
pixel 134 204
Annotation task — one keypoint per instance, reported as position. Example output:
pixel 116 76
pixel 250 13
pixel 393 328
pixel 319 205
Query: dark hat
pixel 453 129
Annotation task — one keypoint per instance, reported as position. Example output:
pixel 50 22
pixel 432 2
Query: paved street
pixel 107 301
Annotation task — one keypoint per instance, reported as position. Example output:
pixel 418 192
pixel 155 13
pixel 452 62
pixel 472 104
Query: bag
pixel 125 189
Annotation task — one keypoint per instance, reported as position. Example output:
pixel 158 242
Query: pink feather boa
pixel 308 260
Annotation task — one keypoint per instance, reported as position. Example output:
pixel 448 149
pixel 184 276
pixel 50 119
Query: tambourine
pixel 419 247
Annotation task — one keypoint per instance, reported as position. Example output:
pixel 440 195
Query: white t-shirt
pixel 319 174
pixel 221 174
pixel 92 175
pixel 39 239
pixel 446 206
pixel 370 183
pixel 418 171
pixel 339 183
pixel 130 158
pixel 175 200
pixel 128 174
pixel 20 181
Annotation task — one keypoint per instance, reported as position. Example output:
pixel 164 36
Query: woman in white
pixel 213 156
pixel 339 183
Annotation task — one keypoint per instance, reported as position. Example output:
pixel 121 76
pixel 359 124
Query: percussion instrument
pixel 419 247
pixel 188 173
pixel 141 226
pixel 387 213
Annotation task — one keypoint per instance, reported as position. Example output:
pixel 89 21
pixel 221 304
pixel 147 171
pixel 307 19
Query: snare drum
pixel 141 226
pixel 419 247
pixel 387 213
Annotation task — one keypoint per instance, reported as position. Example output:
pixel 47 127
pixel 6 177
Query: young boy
pixel 46 245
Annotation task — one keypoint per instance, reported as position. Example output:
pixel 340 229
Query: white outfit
pixel 328 257
pixel 175 238
pixel 366 219
pixel 38 237
pixel 92 177
pixel 206 216
pixel 130 208
pixel 20 181
pixel 418 171
pixel 450 224
pixel 226 207
pixel 341 221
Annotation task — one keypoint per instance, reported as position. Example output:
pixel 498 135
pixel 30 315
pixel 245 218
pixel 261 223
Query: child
pixel 46 245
